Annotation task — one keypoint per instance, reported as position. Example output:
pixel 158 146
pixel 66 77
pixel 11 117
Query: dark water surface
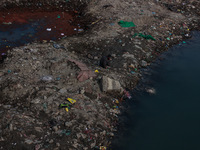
pixel 20 26
pixel 170 119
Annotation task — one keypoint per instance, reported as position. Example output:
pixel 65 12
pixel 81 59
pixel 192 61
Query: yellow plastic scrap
pixel 95 21
pixel 72 101
pixel 102 148
pixel 117 101
pixel 66 109
pixel 97 71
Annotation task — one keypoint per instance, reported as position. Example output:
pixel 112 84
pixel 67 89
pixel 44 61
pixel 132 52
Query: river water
pixel 170 119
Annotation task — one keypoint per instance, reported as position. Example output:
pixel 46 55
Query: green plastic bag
pixel 148 37
pixel 125 24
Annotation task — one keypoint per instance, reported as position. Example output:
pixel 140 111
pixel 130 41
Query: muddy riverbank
pixel 36 78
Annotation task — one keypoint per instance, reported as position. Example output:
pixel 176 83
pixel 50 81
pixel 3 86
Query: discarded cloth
pixel 85 72
pixel 144 36
pixel 126 24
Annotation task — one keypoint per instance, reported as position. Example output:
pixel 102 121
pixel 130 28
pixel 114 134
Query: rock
pixel 96 58
pixel 125 65
pixel 78 135
pixel 58 144
pixel 108 84
pixel 1 74
pixel 83 136
pixel 68 124
pixel 62 91
pixel 11 127
pixel 111 134
pixel 113 55
pixel 138 47
pixel 38 129
pixel 92 145
pixel 7 106
pixel 28 141
pixel 143 63
pixel 35 101
pixel 82 90
pixel 128 56
pixel 55 128
pixel 103 133
pixel 51 141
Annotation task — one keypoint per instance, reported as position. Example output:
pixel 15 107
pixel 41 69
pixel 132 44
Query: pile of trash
pixel 54 95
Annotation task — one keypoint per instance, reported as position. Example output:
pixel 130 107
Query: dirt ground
pixel 36 78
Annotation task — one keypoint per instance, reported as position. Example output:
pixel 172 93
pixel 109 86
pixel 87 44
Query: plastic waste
pixel 47 78
pixel 132 72
pixel 48 29
pixel 72 101
pixel 102 148
pixel 67 109
pixel 7 23
pixel 66 132
pixel 147 37
pixel 125 24
pixel 116 101
pixel 57 46
pixel 80 30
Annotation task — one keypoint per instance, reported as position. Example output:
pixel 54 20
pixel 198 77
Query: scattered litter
pixel 116 101
pixel 58 16
pixel 64 105
pixel 115 107
pixel 47 78
pixel 48 29
pixel 144 36
pixel 102 148
pixel 97 71
pixel 7 23
pixel 85 72
pixel 80 30
pixel 45 106
pixel 72 101
pixel 184 42
pixel 132 72
pixel 58 78
pixel 112 24
pixel 9 71
pixel 62 34
pixel 57 46
pixel 75 29
pixel 95 22
pixel 66 132
pixel 126 24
